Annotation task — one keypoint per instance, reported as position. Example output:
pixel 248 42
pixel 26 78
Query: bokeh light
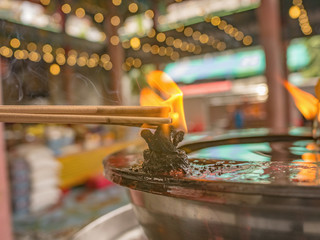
pixel 15 42
pixel 54 69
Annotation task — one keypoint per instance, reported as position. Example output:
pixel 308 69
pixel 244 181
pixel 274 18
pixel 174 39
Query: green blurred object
pixel 313 47
pixel 236 64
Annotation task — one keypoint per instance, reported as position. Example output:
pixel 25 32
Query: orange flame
pixel 161 82
pixel 305 102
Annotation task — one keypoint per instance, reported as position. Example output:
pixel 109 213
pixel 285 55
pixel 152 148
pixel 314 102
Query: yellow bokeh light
pixel 72 60
pixel 105 58
pixel 169 51
pixel 162 51
pixel 303 21
pixel 306 29
pixel 169 41
pixel 222 25
pixel 146 47
pixel 227 29
pixel 45 2
pixel 115 20
pixel 98 17
pixel 294 12
pixel 149 13
pixel 221 46
pixel 196 35
pixel 135 42
pixel 103 36
pixel 155 49
pixel 25 54
pixel 60 50
pixel 18 54
pixel 80 12
pixel 175 56
pixel 161 37
pixel 137 63
pixel 84 54
pixel 239 36
pixel 8 52
pixel 116 2
pixel 307 32
pixel 66 8
pixel 34 56
pixel 5 51
pixel 151 33
pixel 31 46
pixel 130 61
pixel 161 19
pixel 297 2
pixel 204 38
pixel 126 44
pixel 95 56
pixel 15 43
pixel 180 28
pixel 191 47
pixel 234 32
pixel 215 21
pixel 247 40
pixel 82 61
pixel 47 48
pixel 54 69
pixel 188 31
pixel 177 43
pixel 114 40
pixel 133 7
pixel 184 46
pixel 91 63
pixel 107 66
pixel 48 57
pixel 60 59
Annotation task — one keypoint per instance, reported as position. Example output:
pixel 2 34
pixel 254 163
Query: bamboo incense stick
pixel 84 110
pixel 81 119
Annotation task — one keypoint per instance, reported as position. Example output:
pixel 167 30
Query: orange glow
pixel 305 102
pixel 172 97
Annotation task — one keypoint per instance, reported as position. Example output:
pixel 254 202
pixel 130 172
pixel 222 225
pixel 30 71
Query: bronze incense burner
pixel 240 187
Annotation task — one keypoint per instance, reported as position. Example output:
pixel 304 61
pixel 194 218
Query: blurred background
pixel 229 57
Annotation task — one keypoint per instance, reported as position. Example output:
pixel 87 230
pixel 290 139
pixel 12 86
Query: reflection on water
pixel 237 152
pixel 284 163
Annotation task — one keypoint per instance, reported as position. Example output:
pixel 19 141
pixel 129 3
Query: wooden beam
pixel 5 209
pixel 271 40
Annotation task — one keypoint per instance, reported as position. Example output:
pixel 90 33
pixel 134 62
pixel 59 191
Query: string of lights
pixel 135 42
pixel 174 42
pixel 231 30
pixel 57 58
pixel 161 37
pixel 297 11
pixel 202 38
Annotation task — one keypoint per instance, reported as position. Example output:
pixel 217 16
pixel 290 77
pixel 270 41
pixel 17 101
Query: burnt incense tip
pixel 163 156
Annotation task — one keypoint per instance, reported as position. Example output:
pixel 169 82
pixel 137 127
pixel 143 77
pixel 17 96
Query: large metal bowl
pixel 119 224
pixel 274 194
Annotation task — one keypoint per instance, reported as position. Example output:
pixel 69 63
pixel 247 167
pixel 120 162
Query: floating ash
pixel 163 156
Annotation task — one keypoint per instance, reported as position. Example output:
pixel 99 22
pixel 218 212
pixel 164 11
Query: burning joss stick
pixel 115 115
